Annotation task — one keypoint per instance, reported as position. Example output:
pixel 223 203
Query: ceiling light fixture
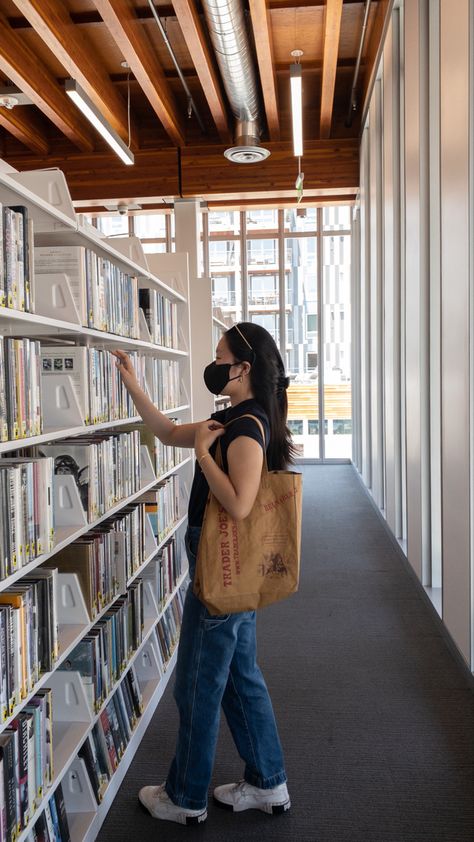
pixel 80 98
pixel 8 101
pixel 297 103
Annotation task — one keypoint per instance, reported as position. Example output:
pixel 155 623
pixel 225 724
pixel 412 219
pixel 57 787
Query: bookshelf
pixel 145 590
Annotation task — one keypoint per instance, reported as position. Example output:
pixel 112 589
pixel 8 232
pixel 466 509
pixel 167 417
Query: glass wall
pixel 273 267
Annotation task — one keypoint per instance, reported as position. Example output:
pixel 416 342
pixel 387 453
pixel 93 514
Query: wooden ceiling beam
pixel 264 47
pixel 20 64
pixel 91 17
pixel 196 43
pixel 23 123
pixel 52 22
pixel 331 169
pixel 332 30
pixel 129 35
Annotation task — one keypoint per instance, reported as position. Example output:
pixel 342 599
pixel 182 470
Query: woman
pixel 217 654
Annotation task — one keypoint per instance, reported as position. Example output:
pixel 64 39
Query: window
pixel 113 225
pixel 342 426
pixel 295 426
pixel 311 322
pixel 262 252
pixel 300 219
pixel 224 221
pixel 270 321
pixel 154 248
pixel 222 253
pixel 291 256
pixel 262 220
pixel 223 294
pixel 150 226
pixel 263 290
pixel 337 218
pixel 313 427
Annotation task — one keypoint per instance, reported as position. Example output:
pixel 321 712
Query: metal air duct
pixel 226 23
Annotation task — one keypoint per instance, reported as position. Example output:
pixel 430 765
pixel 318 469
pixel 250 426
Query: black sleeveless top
pixel 242 427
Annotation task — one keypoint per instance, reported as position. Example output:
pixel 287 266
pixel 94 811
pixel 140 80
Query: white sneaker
pixel 244 796
pixel 159 804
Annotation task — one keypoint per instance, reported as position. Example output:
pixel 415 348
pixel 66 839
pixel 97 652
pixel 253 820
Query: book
pixel 107 731
pixel 20 725
pixel 7 759
pixel 62 814
pixel 54 818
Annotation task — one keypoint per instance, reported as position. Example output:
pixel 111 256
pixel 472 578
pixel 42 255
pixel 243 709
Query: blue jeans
pixel 217 665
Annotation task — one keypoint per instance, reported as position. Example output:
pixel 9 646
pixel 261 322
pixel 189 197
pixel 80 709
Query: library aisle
pixel 375 713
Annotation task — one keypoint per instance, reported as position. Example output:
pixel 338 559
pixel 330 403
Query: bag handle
pixel 259 423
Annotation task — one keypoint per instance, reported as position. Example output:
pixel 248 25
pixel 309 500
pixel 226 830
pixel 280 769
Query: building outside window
pixel 274 293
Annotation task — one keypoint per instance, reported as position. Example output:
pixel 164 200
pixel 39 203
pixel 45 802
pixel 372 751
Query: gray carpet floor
pixel 375 713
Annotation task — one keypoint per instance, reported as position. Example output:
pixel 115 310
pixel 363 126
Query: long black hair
pixel 269 384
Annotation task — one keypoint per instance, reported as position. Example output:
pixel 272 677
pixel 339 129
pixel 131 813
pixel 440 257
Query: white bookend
pixel 150 540
pixel 77 789
pixel 54 298
pixel 185 392
pixel 60 405
pixel 132 248
pixel 182 339
pixel 147 472
pixel 68 508
pixel 72 608
pixel 150 606
pixel 69 697
pixel 147 665
pixel 50 185
pixel 145 335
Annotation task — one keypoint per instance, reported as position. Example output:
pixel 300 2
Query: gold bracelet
pixel 202 458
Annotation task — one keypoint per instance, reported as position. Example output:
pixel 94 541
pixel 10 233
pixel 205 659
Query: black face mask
pixel 216 377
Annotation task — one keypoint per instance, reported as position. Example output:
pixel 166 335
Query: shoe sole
pixel 190 820
pixel 276 809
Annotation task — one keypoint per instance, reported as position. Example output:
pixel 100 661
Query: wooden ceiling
pixel 44 42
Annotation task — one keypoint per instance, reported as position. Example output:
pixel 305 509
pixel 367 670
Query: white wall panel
pixel 391 275
pixel 416 358
pixel 376 297
pixel 366 432
pixel 435 297
pixel 355 344
pixel 454 51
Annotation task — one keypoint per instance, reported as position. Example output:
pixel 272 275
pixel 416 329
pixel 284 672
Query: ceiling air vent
pixel 247 149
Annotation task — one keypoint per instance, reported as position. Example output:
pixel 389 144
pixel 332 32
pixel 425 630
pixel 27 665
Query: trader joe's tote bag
pixel 244 565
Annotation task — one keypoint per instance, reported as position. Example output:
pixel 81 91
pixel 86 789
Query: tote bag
pixel 245 564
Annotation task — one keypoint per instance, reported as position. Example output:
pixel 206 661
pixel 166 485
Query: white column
pixel 391 274
pixel 455 374
pixel 188 239
pixel 376 296
pixel 416 299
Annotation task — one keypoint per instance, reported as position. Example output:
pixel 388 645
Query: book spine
pixel 62 815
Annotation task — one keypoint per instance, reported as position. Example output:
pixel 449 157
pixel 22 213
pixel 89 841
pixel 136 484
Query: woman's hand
pixel 206 434
pixel 126 369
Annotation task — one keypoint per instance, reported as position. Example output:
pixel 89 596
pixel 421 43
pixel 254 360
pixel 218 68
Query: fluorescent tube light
pixel 80 98
pixel 296 109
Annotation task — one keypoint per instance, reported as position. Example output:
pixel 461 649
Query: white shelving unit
pixel 47 199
